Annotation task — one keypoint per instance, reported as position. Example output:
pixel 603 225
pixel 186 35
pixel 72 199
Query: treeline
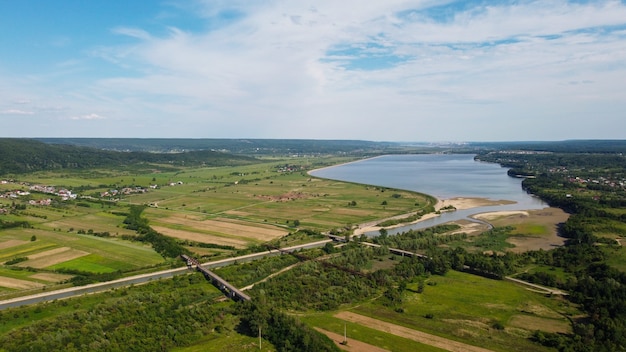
pixel 568 146
pixel 237 146
pixel 13 224
pixel 545 163
pixel 25 155
pixel 285 332
pixel 413 240
pixel 165 246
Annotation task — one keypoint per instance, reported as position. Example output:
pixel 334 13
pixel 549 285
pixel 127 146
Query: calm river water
pixel 443 176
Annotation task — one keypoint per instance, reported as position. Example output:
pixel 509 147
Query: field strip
pixel 353 345
pixel 18 284
pixel 51 277
pixel 49 253
pixel 200 237
pixel 11 243
pixel 415 335
pixel 261 232
pixel 54 258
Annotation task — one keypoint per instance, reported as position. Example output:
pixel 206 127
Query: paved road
pixel 134 280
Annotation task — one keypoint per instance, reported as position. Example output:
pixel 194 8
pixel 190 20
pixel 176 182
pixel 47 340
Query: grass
pixel 92 263
pixel 616 256
pixel 364 334
pixel 530 229
pixel 464 307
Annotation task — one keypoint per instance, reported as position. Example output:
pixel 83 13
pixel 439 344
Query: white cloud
pixel 16 112
pixel 88 117
pixel 285 69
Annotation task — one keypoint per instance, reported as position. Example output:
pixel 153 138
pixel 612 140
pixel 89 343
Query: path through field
pixel 353 345
pixel 422 337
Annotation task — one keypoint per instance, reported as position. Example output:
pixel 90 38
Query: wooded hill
pixel 236 146
pixel 26 155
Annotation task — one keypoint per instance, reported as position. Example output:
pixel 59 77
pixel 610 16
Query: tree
pixel 33 238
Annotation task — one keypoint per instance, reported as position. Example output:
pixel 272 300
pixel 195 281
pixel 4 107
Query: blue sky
pixel 376 70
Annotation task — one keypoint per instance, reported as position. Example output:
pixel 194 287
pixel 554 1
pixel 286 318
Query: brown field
pixel 538 323
pixel 11 243
pixel 549 218
pixel 415 335
pixel 51 277
pixel 52 257
pixel 353 345
pixel 19 284
pixel 256 232
pixel 201 237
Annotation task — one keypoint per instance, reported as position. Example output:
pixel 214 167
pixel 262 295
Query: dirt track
pixel 421 337
pixel 353 345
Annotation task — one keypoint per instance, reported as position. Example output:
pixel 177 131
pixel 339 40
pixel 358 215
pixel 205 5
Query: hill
pixel 26 155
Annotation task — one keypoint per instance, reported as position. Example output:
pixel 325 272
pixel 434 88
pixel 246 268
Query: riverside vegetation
pixel 454 292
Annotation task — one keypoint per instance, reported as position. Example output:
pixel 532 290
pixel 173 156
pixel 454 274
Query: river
pixel 443 176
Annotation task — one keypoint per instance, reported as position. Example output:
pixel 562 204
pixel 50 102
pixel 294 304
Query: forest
pixel 25 155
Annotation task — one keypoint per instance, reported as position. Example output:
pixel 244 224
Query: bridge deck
pixel 222 284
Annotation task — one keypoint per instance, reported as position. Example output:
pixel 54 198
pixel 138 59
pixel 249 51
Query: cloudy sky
pixel 389 70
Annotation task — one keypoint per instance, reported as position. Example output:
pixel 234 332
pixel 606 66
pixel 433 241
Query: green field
pixel 374 337
pixel 466 308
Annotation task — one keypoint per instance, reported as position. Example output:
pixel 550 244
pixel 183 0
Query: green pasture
pixel 465 307
pixel 364 334
pixel 98 221
pixel 91 263
pixel 530 229
pixel 110 253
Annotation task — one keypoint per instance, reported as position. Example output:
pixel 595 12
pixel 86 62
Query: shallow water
pixel 443 176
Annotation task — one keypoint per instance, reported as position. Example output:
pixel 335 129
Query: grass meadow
pixel 494 314
pixel 354 331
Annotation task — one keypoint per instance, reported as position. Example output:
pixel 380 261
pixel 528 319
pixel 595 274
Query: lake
pixel 443 176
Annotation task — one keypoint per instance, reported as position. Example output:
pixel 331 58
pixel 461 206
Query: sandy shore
pixel 459 203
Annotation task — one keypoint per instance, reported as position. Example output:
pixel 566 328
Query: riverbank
pixel 459 203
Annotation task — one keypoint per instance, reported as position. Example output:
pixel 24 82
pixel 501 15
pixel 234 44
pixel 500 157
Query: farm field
pixel 54 253
pixel 229 207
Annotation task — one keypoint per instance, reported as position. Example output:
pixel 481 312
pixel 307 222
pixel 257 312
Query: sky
pixel 392 70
